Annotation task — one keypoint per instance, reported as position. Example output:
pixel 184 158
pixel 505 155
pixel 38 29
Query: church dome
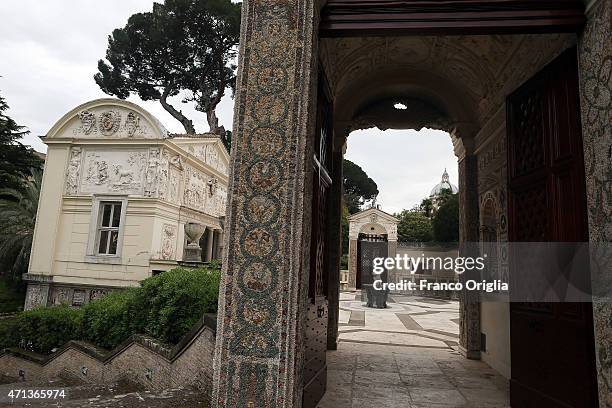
pixel 445 184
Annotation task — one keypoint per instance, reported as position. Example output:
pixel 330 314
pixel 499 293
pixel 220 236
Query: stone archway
pixel 259 354
pixel 372 221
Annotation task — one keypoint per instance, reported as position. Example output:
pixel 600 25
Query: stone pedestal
pixel 192 254
pixel 375 298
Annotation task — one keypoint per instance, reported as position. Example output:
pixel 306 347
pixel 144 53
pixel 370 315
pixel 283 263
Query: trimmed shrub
pixel 174 301
pixel 45 328
pixel 166 307
pixel 107 321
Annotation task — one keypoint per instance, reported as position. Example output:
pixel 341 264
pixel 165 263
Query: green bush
pixel 166 307
pixel 45 328
pixel 175 300
pixel 108 321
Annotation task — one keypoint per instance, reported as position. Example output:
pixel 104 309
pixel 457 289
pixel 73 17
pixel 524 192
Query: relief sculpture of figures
pixel 72 174
pixel 132 124
pixel 151 172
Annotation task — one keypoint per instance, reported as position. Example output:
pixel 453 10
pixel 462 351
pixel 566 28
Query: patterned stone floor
pixel 406 356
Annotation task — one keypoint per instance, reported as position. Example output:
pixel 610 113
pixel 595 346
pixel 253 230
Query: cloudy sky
pixel 48 56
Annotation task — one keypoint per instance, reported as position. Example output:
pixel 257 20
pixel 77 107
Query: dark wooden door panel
pixel 315 365
pixel 552 345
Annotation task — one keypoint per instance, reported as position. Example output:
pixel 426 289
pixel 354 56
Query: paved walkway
pixel 406 356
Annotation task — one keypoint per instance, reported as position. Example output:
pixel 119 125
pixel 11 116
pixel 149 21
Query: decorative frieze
pixel 115 123
pixel 209 153
pixel 113 171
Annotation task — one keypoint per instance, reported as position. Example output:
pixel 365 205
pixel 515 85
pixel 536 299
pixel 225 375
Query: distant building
pixel 117 192
pixel 372 233
pixel 440 188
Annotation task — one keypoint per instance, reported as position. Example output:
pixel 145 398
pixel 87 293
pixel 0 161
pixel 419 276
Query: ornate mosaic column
pixel 595 64
pixel 469 303
pixel 258 356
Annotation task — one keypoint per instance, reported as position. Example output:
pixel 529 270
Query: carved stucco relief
pixel 115 122
pixel 113 171
pixel 203 192
pixel 36 296
pixel 168 242
pixel 73 171
pixel 209 153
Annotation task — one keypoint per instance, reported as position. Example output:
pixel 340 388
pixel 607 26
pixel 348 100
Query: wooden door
pixel 552 345
pixel 315 366
pixel 367 250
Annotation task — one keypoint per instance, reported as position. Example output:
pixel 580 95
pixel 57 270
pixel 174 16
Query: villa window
pixel 108 227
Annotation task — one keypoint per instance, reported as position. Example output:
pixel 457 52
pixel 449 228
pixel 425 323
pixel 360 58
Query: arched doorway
pixel 369 226
pixel 457 84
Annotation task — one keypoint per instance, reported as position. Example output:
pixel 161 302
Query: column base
pixel 469 354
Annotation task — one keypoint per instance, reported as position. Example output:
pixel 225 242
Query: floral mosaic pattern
pixel 257 356
pixel 595 61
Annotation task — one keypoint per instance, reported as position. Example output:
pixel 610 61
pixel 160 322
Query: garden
pixel 165 306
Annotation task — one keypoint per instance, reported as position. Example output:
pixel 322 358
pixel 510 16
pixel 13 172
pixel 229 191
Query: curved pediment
pixel 108 118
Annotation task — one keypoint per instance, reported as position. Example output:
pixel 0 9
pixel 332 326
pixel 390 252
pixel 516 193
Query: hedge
pixel 45 328
pixel 107 321
pixel 166 307
pixel 175 301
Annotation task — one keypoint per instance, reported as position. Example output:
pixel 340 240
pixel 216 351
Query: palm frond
pixel 18 209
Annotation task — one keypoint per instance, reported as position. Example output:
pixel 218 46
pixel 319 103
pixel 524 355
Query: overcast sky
pixel 48 56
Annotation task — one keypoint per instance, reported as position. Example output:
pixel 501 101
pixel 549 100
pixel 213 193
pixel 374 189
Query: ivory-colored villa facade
pixel 117 191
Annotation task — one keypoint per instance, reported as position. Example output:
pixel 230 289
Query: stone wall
pixel 140 359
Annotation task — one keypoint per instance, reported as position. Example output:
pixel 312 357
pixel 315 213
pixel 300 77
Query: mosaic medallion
pixel 267 141
pixel 264 175
pixel 259 242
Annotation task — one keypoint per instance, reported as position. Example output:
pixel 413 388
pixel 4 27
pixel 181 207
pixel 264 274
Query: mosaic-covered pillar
pixel 259 349
pixel 469 303
pixel 334 251
pixel 595 65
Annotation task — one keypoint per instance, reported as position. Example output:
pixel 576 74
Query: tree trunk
pixel 178 115
pixel 213 123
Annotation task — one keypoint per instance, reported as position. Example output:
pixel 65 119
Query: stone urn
pixel 193 231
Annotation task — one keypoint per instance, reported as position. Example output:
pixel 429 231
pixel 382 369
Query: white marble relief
pixel 114 172
pixel 168 241
pixel 109 122
pixel 115 123
pixel 209 153
pixel 195 189
pixel 132 124
pixel 152 172
pixel 72 173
